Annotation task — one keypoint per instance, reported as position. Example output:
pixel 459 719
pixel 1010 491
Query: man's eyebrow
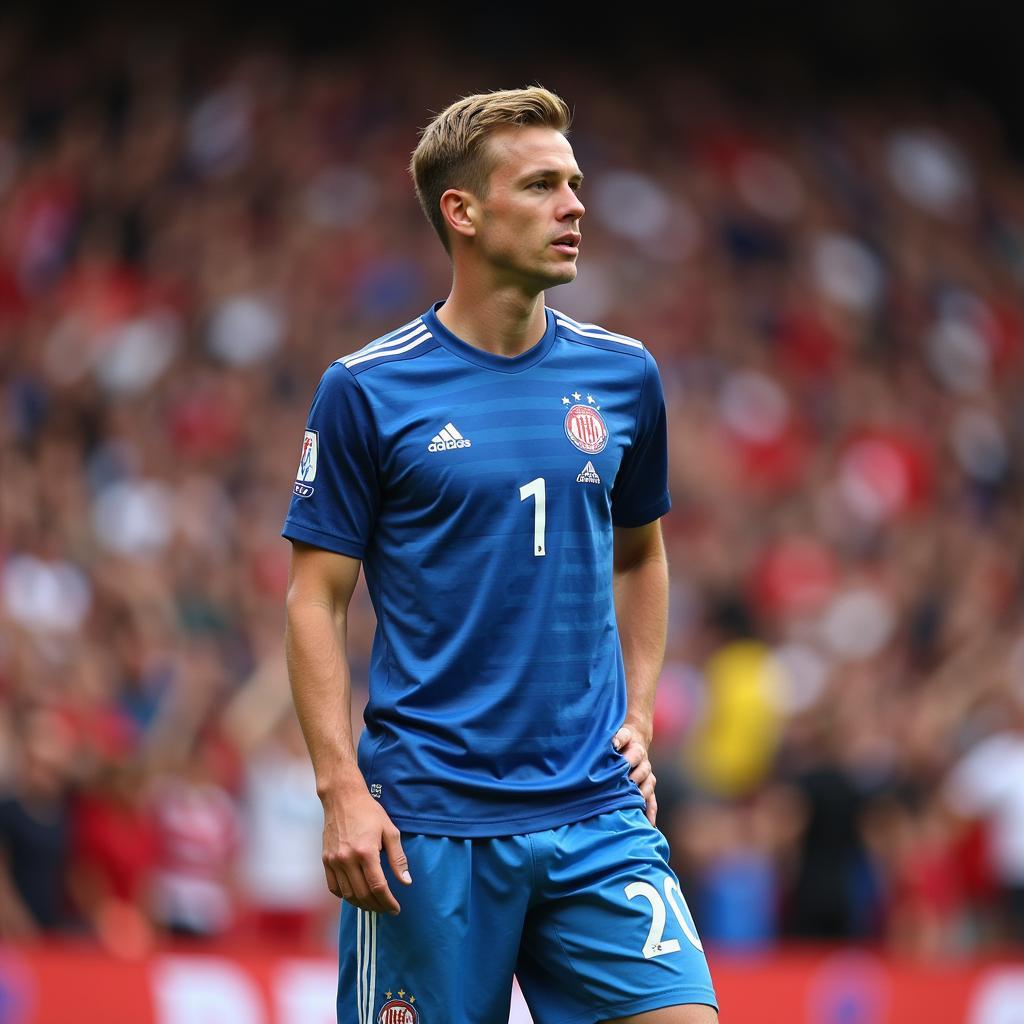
pixel 550 172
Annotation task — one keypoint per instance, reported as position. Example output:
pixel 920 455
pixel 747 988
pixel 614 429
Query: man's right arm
pixel 356 827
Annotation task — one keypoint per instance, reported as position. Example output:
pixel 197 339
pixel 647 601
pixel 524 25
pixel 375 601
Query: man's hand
pixel 632 744
pixel 356 830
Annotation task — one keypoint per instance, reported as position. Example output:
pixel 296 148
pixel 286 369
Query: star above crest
pixel 578 396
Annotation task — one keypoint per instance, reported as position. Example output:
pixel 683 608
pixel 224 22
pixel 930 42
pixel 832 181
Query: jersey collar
pixel 504 364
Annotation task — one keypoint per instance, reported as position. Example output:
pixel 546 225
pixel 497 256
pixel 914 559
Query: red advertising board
pixel 60 984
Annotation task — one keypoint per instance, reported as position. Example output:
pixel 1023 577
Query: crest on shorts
pixel 398 1010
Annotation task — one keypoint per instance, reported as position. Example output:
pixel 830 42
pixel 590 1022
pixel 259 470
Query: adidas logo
pixel 448 438
pixel 588 475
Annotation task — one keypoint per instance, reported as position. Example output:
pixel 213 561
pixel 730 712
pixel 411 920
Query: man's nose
pixel 574 207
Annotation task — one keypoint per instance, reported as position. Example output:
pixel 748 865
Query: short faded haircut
pixel 452 149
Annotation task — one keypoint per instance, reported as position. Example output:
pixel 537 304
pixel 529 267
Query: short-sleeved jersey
pixel 480 493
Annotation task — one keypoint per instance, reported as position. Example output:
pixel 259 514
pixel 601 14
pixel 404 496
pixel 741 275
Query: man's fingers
pixel 651 810
pixel 361 893
pixel 629 746
pixel 396 856
pixel 634 753
pixel 344 887
pixel 378 892
pixel 633 750
pixel 650 800
pixel 338 883
pixel 345 878
pixel 332 881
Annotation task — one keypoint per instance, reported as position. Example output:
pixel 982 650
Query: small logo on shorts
pixel 375 790
pixel 398 1011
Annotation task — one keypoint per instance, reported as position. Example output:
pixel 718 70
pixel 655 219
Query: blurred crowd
pixel 190 234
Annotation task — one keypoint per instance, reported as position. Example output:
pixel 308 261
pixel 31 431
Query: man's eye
pixel 540 184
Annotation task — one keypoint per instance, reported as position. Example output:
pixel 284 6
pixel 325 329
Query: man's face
pixel 529 229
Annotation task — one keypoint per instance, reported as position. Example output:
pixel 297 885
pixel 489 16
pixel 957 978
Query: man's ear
pixel 460 210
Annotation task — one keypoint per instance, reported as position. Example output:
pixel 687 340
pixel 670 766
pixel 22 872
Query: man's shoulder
pixel 404 343
pixel 594 336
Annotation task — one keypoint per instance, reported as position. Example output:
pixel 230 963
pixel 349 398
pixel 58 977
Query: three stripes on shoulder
pixel 405 339
pixel 593 331
pixel 413 334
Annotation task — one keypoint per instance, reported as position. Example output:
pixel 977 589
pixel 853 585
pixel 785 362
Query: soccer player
pixel 499 470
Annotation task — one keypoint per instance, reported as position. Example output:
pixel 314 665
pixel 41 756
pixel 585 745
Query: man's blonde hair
pixel 452 149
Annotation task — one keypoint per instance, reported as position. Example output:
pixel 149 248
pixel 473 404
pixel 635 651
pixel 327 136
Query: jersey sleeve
pixel 640 493
pixel 336 494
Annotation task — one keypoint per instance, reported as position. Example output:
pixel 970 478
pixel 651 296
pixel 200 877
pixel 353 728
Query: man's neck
pixel 503 321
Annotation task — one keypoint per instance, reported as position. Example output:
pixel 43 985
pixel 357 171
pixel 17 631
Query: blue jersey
pixel 480 492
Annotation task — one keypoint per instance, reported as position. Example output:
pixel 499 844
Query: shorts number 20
pixel 655 944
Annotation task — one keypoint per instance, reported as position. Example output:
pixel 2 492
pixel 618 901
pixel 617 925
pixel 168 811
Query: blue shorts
pixel 588 916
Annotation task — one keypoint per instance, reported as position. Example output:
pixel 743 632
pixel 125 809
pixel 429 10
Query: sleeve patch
pixel 307 464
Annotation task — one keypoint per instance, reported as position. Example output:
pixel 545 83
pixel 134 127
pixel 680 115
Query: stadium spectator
pixel 987 783
pixel 196 825
pixel 280 875
pixel 114 853
pixel 35 827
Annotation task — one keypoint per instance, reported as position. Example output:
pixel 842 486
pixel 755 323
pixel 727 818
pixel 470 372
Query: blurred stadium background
pixel 816 222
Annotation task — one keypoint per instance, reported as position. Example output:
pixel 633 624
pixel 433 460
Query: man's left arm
pixel 641 610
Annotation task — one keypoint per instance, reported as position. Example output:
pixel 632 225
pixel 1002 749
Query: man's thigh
pixel 609 936
pixel 450 954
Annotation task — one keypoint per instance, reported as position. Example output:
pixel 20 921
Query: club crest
pixel 585 427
